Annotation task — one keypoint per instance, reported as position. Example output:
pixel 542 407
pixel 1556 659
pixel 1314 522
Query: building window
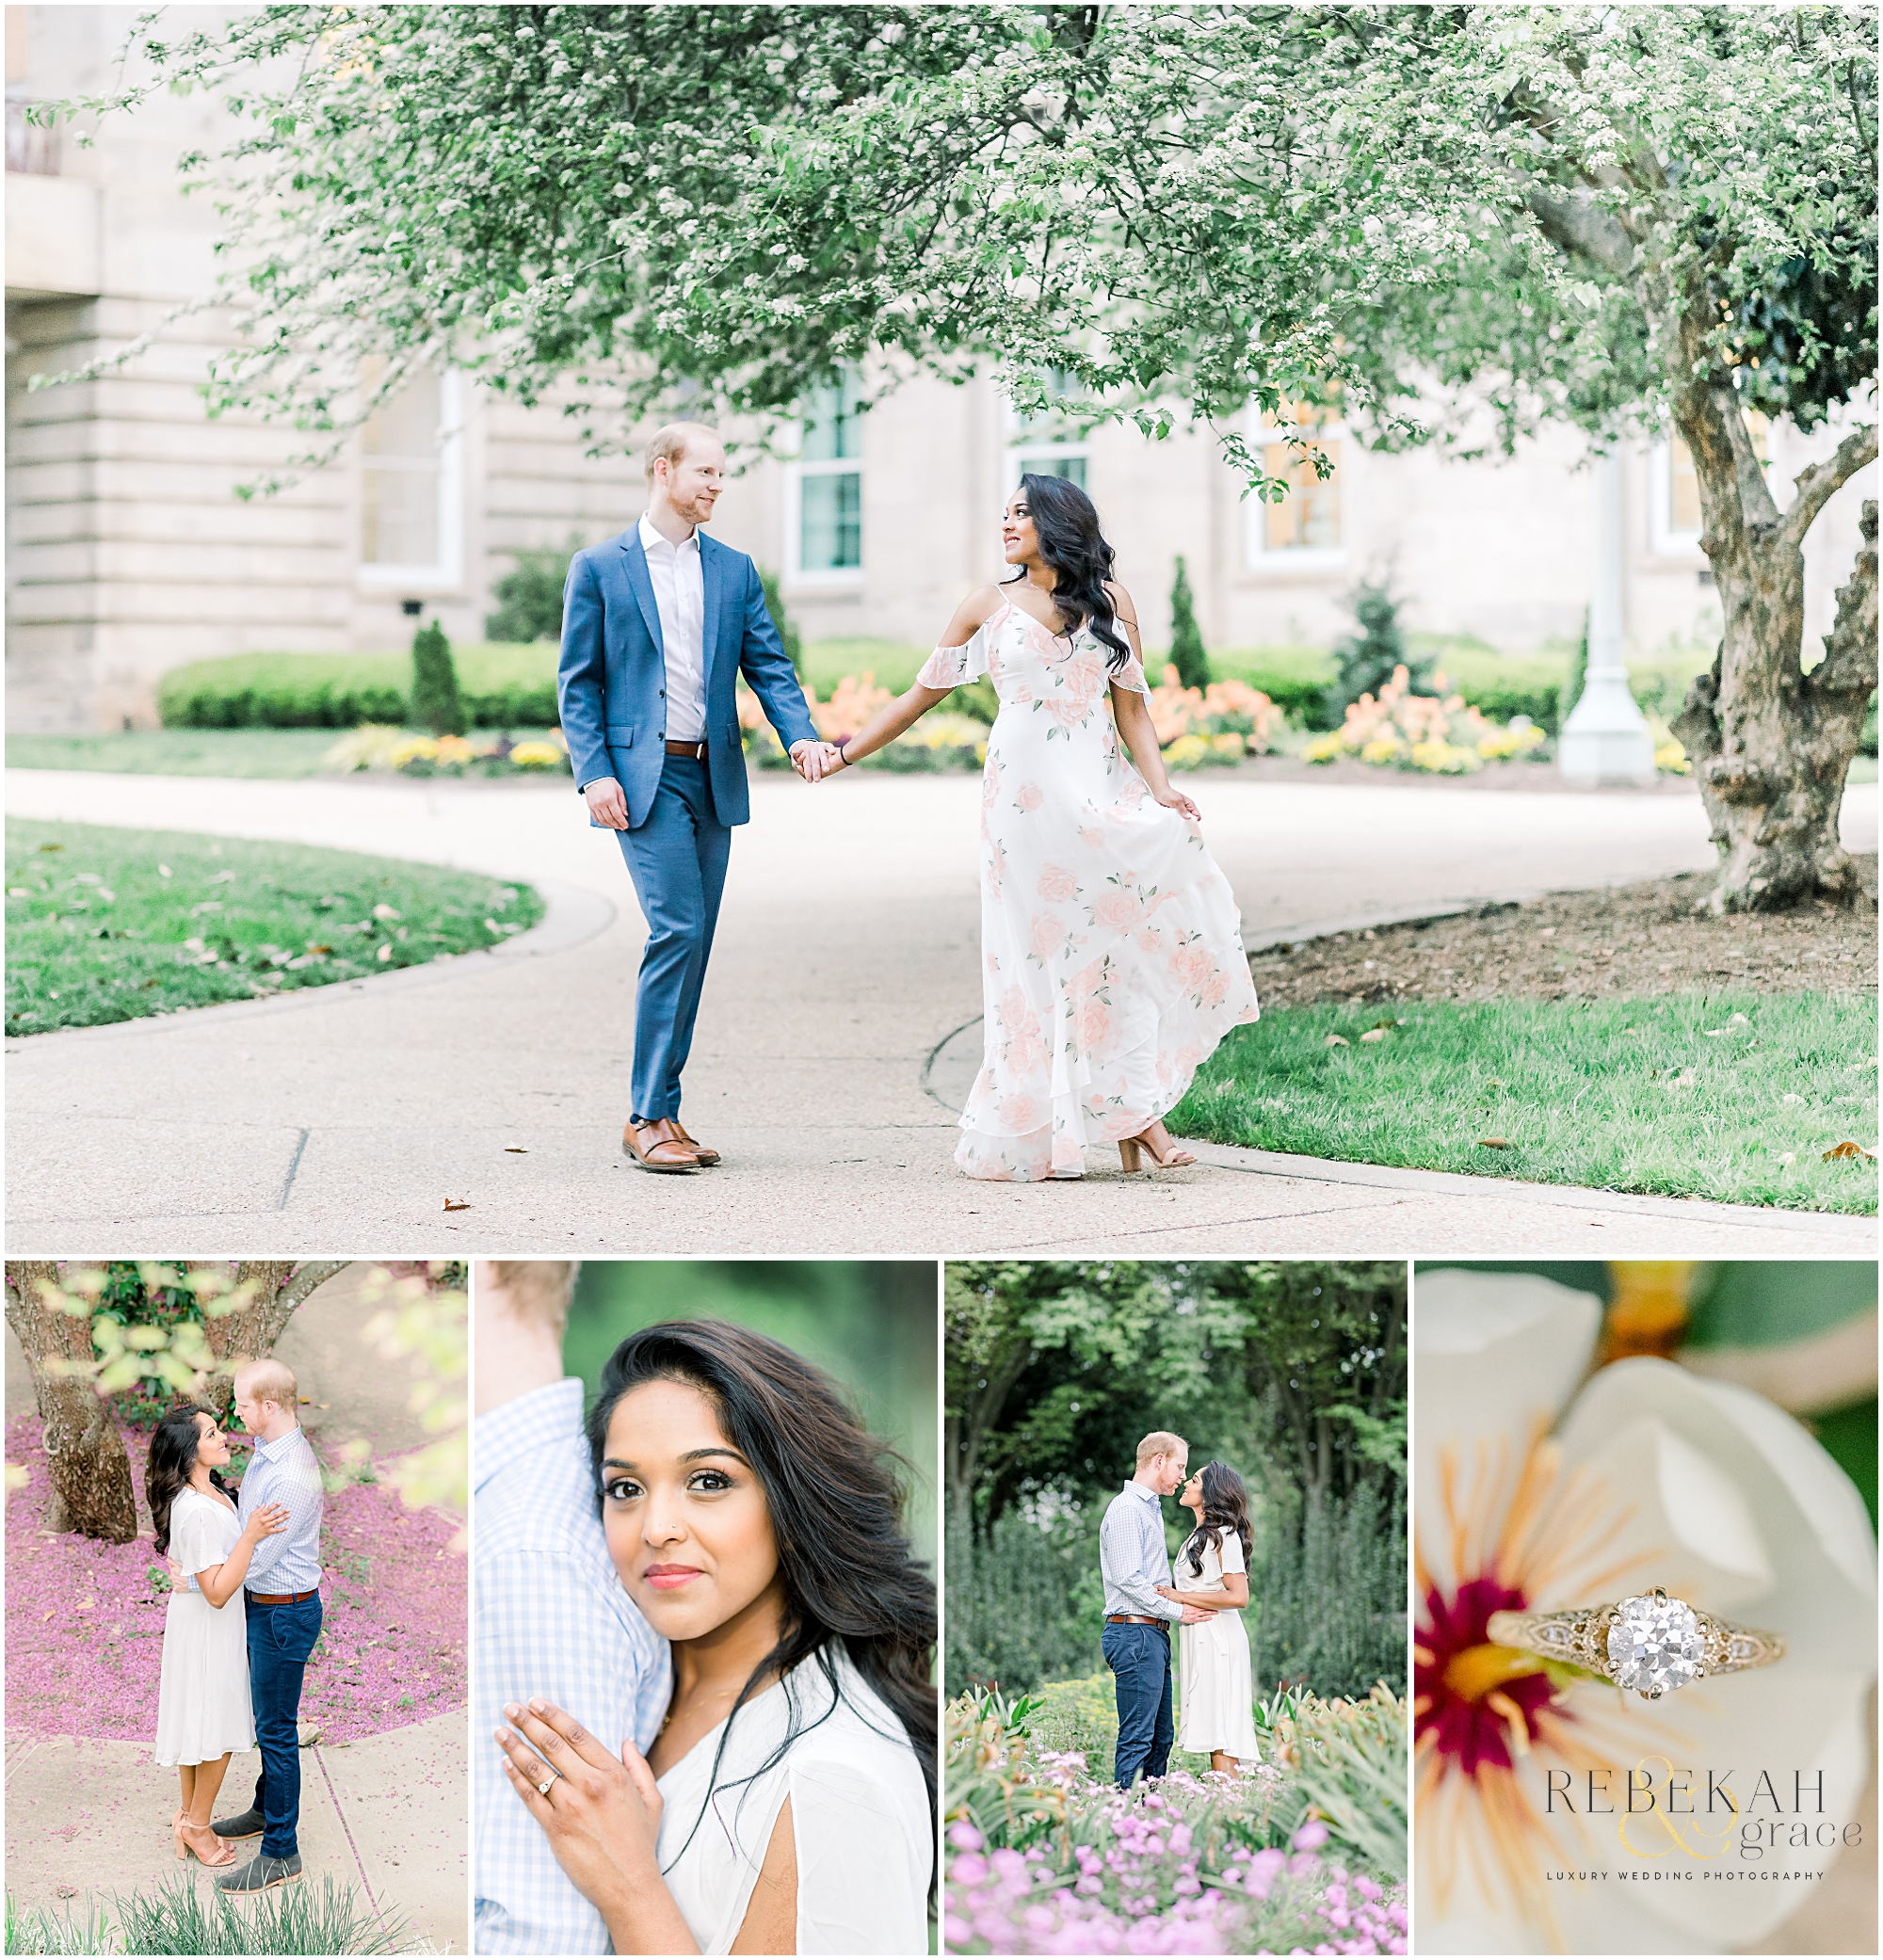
pixel 412 483
pixel 1046 444
pixel 1304 529
pixel 1674 517
pixel 824 485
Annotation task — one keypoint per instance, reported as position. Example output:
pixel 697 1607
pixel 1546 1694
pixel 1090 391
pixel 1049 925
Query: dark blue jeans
pixel 1139 1659
pixel 677 859
pixel 279 1640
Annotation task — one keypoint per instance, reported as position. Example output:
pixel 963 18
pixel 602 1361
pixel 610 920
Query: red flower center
pixel 1479 1701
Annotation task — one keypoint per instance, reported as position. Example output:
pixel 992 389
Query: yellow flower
pixel 537 755
pixel 1382 748
pixel 1324 748
pixel 1226 745
pixel 1671 759
pixel 1186 752
pixel 415 748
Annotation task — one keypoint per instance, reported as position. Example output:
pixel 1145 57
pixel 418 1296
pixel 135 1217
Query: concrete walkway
pixel 389 1815
pixel 847 956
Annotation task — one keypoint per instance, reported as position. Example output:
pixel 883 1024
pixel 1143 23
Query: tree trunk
pixel 276 1288
pixel 90 1475
pixel 1771 744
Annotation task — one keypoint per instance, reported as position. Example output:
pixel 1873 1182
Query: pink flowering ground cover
pixel 85 1622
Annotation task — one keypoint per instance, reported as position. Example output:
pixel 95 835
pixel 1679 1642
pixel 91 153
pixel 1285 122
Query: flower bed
pixel 374 746
pixel 1441 734
pixel 1044 1858
pixel 85 1619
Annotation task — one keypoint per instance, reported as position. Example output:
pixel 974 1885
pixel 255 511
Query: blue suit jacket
pixel 611 681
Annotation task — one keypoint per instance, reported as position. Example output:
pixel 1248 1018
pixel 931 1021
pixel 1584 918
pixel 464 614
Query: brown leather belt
pixel 1134 1619
pixel 696 750
pixel 282 1598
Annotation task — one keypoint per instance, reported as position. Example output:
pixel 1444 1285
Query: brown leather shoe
pixel 659 1146
pixel 699 1149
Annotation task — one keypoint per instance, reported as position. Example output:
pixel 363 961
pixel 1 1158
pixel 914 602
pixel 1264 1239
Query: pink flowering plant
pixel 1044 1858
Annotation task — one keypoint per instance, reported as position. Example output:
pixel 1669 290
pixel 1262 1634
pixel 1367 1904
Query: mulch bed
pixel 85 1629
pixel 1633 940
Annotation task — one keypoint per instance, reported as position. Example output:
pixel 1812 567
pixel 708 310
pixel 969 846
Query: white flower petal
pixel 1497 1350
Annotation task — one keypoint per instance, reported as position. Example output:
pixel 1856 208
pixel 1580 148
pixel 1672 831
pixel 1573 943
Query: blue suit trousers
pixel 677 859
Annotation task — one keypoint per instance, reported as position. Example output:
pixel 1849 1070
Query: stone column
pixel 1606 738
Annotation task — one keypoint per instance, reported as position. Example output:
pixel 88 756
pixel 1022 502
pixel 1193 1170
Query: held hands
pixel 815 759
pixel 602 1817
pixel 606 804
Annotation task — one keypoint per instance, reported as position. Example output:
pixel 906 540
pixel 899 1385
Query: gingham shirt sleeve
pixel 544 1627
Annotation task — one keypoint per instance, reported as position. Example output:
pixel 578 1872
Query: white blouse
pixel 859 1813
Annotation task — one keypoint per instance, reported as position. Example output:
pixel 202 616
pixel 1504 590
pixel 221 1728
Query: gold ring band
pixel 1650 1642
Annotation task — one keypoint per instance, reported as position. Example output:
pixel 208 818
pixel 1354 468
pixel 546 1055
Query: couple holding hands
pixel 1113 955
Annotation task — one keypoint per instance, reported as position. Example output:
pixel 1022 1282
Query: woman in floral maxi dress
pixel 1112 945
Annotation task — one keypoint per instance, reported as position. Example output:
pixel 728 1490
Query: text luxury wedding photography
pixel 1175 1733
pixel 705 1607
pixel 235 1613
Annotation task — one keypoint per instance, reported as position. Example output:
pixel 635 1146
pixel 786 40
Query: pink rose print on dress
pixel 1190 966
pixel 1048 935
pixel 1092 839
pixel 1093 1023
pixel 1057 885
pixel 1150 940
pixel 1215 990
pixel 1019 1112
pixel 1030 797
pixel 1117 910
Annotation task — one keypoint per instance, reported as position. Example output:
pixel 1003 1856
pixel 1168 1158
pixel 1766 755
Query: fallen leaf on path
pixel 385 912
pixel 1791 1099
pixel 1848 1151
pixel 515 1149
pixel 1374 1035
pixel 385 952
pixel 457 1204
pixel 1493 1143
pixel 1336 1041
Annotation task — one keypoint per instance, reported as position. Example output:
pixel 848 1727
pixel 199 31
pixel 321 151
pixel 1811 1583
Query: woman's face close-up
pixel 212 1446
pixel 685 1514
pixel 1019 539
pixel 1191 1496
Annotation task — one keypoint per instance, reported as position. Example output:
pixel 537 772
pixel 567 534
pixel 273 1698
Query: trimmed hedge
pixel 500 686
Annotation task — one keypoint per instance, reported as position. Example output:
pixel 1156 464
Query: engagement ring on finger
pixel 547 1784
pixel 1651 1642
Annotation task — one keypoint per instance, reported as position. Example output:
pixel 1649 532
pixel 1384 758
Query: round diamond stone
pixel 1654 1645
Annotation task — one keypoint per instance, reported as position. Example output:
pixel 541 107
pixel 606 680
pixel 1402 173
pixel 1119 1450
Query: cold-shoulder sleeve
pixel 955 666
pixel 865 1853
pixel 1130 675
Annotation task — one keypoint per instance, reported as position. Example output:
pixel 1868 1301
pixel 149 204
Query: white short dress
pixel 1216 1710
pixel 204 1710
pixel 858 1812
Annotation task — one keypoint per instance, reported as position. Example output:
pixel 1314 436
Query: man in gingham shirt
pixel 1134 1563
pixel 550 1615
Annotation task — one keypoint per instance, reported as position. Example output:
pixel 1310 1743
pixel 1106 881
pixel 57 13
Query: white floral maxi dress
pixel 1112 945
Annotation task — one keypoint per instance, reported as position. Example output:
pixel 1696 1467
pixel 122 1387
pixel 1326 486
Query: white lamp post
pixel 1606 738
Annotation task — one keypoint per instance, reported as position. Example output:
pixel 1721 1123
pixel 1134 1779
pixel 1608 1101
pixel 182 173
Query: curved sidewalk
pixel 847 953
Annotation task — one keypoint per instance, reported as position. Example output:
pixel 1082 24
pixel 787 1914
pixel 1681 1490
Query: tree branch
pixel 1584 230
pixel 1849 665
pixel 1818 484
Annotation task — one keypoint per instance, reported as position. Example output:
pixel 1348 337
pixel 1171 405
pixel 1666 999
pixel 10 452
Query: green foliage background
pixel 1294 1373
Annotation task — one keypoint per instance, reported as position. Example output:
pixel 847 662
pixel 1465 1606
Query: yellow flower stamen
pixel 1476 1672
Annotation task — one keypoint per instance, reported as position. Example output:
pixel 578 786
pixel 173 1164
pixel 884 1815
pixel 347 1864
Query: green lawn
pixel 1623 1095
pixel 106 924
pixel 281 753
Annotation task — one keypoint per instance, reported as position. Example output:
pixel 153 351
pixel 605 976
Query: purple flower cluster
pixel 84 1623
pixel 1141 1888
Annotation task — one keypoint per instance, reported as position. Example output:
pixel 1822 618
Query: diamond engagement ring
pixel 1652 1643
pixel 544 1787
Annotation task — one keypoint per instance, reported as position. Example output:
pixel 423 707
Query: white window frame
pixel 1256 556
pixel 447 574
pixel 1054 449
pixel 1664 541
pixel 821 578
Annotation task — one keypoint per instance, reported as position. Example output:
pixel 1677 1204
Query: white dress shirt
pixel 680 598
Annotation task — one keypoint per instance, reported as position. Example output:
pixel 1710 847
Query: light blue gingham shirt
pixel 284 1472
pixel 551 1618
pixel 1133 1560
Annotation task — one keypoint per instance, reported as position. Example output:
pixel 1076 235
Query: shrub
pixel 500 686
pixel 1025 1605
pixel 1365 661
pixel 1331 1607
pixel 1407 730
pixel 529 598
pixel 435 702
pixel 786 625
pixel 1186 640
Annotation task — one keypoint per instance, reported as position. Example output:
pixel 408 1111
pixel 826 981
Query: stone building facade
pixel 129 550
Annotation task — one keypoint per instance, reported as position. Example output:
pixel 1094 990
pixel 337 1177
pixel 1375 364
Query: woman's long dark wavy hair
pixel 1073 545
pixel 1225 1509
pixel 173 1447
pixel 836 1497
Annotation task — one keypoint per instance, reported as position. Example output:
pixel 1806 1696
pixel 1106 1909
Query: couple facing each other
pixel 703 1649
pixel 1204 1595
pixel 1113 961
pixel 243 1618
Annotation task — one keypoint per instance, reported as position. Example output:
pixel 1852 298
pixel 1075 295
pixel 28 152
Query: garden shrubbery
pixel 499 686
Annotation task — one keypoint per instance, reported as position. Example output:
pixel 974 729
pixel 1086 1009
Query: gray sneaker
pixel 260 1874
pixel 248 1826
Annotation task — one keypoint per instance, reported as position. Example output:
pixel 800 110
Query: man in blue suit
pixel 657 624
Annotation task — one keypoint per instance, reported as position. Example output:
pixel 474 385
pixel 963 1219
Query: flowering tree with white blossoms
pixel 1617 216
